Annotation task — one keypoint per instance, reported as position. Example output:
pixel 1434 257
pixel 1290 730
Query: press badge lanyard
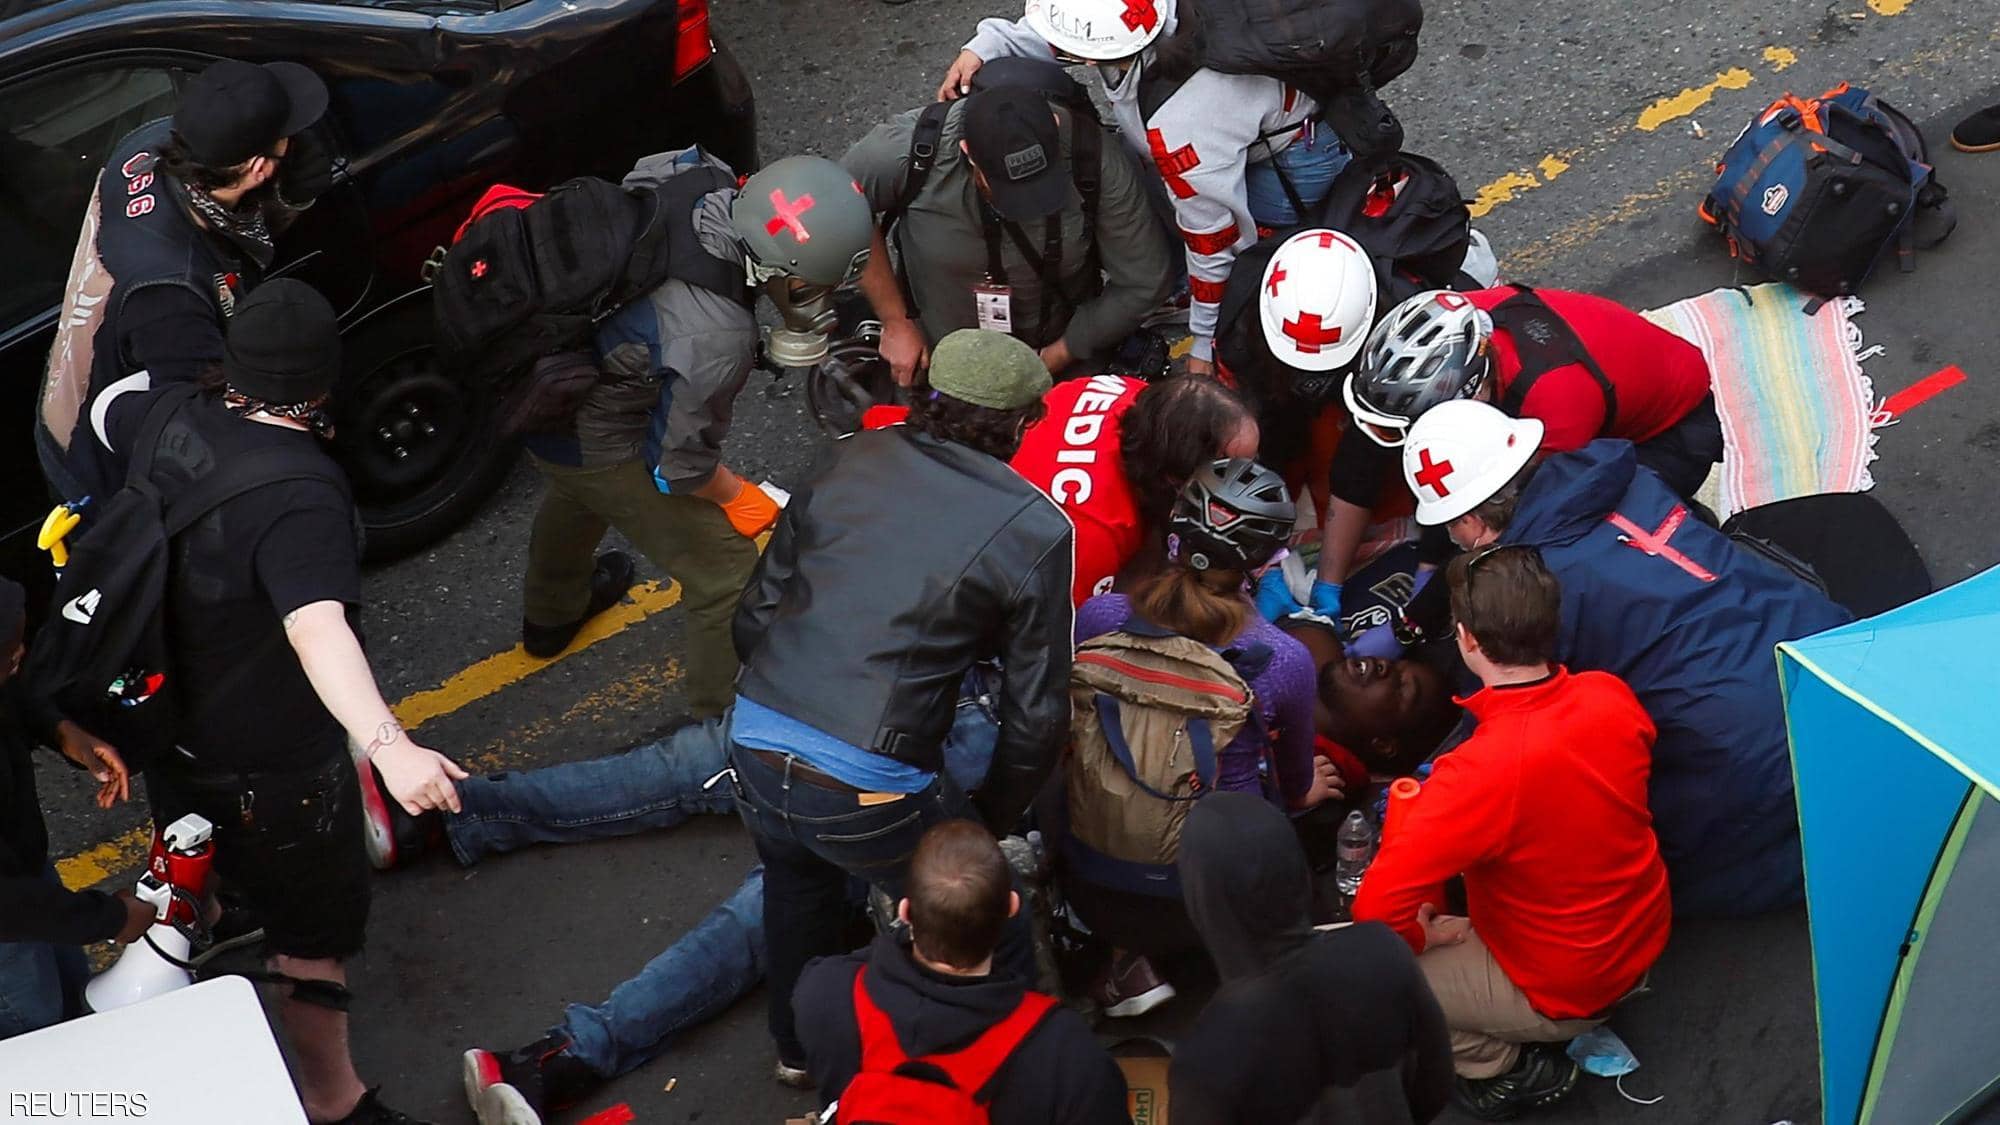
pixel 994 300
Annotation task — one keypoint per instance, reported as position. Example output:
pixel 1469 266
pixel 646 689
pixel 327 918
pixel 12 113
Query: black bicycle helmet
pixel 1432 348
pixel 1234 514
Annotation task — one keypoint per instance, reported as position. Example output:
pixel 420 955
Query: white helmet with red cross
pixel 1462 452
pixel 1097 30
pixel 1318 300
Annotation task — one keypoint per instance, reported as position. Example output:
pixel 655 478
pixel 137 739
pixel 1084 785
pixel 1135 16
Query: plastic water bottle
pixel 1354 849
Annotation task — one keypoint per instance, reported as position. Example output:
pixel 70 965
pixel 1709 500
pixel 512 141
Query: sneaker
pixel 787 1075
pixel 395 838
pixel 517 1087
pixel 1543 1076
pixel 1130 986
pixel 370 1111
pixel 1978 133
pixel 235 928
pixel 610 579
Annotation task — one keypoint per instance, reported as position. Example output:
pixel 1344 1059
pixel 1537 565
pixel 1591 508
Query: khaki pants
pixel 685 536
pixel 1488 1016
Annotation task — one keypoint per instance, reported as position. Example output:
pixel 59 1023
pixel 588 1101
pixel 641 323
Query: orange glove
pixel 752 512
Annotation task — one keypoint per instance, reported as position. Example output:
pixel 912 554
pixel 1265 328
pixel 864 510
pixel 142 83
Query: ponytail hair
pixel 1204 605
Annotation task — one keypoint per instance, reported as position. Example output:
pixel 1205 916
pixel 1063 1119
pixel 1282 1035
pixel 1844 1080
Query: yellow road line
pixel 127 850
pixel 1690 99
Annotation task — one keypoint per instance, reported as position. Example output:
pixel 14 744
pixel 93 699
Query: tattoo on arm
pixel 388 734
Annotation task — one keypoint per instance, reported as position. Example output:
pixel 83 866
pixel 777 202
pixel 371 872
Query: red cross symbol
pixel 1277 275
pixel 1311 334
pixel 787 217
pixel 1174 166
pixel 1140 13
pixel 1431 474
pixel 1659 543
pixel 479 269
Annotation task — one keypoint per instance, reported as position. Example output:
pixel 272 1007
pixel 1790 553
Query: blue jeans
pixel 1309 163
pixel 657 785
pixel 698 977
pixel 41 984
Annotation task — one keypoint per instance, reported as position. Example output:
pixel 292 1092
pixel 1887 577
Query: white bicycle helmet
pixel 1432 348
pixel 1317 300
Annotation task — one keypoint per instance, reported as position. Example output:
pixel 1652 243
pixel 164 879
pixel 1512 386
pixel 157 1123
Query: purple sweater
pixel 1285 693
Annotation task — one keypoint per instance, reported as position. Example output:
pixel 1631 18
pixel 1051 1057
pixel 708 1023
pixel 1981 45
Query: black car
pixel 432 103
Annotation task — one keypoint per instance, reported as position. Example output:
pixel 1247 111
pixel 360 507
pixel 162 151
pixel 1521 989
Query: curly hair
pixel 1176 426
pixel 996 433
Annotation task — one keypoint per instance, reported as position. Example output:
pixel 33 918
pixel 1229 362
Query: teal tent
pixel 1897 762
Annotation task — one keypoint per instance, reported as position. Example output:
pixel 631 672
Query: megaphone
pixel 176 883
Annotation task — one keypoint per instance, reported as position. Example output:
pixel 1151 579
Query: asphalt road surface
pixel 1586 130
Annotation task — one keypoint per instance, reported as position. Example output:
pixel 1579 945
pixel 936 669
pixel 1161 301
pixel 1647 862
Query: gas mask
pixel 806 312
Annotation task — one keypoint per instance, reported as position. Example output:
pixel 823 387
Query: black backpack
pixel 1086 150
pixel 523 282
pixel 1419 238
pixel 102 657
pixel 1338 52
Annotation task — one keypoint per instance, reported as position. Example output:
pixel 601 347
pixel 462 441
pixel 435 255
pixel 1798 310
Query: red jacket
pixel 1544 811
pixel 1658 376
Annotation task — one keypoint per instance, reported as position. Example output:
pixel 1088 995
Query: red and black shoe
pixel 517 1087
pixel 395 838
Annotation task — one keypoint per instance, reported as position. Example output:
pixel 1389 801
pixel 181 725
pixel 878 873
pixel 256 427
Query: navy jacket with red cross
pixel 1690 620
pixel 149 290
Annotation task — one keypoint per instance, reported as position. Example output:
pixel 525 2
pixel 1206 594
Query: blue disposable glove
pixel 1326 598
pixel 1274 598
pixel 1379 642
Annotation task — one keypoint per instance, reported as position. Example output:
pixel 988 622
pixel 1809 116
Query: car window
pixel 55 131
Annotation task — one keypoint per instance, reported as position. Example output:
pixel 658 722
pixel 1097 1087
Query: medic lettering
pixel 1080 432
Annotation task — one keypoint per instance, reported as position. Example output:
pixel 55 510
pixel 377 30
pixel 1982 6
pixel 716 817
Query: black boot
pixel 370 1111
pixel 1542 1076
pixel 608 583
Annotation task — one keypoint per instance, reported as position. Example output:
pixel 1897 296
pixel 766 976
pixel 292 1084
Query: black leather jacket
pixel 905 561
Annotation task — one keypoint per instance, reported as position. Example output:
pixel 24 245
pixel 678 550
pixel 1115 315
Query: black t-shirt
pixel 246 702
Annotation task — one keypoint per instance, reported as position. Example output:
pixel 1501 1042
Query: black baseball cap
pixel 284 344
pixel 1010 134
pixel 234 110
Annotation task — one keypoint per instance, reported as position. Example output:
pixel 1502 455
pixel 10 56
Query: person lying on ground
pixel 1543 811
pixel 1671 606
pixel 1027 1059
pixel 1282 1040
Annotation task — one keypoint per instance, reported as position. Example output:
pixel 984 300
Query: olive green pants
pixel 687 537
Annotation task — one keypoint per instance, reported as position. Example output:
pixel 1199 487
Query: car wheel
pixel 421 448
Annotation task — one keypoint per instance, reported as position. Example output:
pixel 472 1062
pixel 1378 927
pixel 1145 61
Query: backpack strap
pixel 1551 344
pixel 1201 739
pixel 243 474
pixel 924 140
pixel 146 443
pixel 881 1052
pixel 972 1068
pixel 1086 169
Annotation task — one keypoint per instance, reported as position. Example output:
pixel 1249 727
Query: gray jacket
pixel 944 245
pixel 673 362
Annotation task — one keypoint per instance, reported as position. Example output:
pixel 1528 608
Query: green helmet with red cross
pixel 804 217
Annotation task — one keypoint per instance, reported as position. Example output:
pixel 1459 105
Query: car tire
pixel 420 447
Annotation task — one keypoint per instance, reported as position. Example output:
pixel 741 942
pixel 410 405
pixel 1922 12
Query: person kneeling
pixel 1543 810
pixel 936 1001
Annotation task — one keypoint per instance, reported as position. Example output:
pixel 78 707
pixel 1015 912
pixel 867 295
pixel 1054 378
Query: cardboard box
pixel 1145 1088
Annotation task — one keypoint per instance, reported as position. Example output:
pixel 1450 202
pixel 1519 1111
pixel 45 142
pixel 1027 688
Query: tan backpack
pixel 1149 709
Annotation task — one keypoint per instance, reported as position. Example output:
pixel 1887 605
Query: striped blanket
pixel 1796 408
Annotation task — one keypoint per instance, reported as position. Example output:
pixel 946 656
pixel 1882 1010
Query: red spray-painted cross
pixel 1277 275
pixel 1140 13
pixel 1431 474
pixel 787 217
pixel 1311 334
pixel 1175 165
pixel 1659 543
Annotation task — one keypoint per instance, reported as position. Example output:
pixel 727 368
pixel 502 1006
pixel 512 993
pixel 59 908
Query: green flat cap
pixel 990 369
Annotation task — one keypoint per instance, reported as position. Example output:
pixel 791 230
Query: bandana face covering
pixel 245 227
pixel 312 414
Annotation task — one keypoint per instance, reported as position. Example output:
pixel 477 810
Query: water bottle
pixel 1353 850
